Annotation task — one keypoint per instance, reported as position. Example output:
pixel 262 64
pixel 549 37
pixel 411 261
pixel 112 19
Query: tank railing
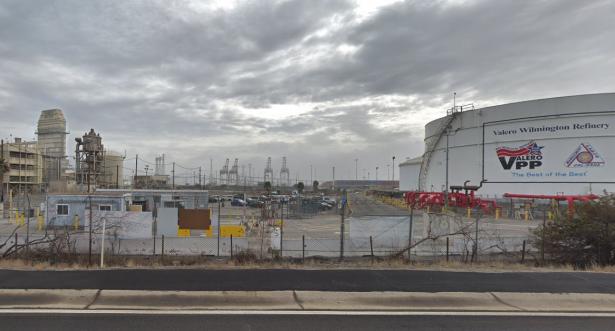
pixel 459 109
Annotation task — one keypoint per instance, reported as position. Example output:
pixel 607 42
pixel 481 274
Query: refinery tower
pixel 52 133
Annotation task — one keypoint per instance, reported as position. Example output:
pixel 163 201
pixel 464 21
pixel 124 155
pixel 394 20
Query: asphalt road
pixel 310 280
pixel 362 205
pixel 51 322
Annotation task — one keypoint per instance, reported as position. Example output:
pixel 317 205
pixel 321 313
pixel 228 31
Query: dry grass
pixel 249 261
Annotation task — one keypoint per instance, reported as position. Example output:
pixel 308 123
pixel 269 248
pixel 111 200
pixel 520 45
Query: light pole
pixel 393 168
pixel 376 173
pixel 311 175
pixel 446 176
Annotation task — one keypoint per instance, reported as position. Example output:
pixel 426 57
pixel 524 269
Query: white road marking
pixel 300 312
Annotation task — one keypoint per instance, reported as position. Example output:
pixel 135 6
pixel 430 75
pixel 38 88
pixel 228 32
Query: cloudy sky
pixel 320 82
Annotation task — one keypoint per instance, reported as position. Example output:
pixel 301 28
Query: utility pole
pixel 333 178
pixel 136 170
pixel 146 179
pixel 200 182
pixel 173 175
pixel 376 173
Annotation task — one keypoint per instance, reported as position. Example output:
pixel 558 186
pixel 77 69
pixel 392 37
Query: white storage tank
pixel 409 174
pixel 559 145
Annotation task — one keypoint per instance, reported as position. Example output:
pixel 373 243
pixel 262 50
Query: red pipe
pixel 568 198
pixel 585 197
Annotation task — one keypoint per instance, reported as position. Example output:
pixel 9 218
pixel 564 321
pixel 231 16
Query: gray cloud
pixel 312 80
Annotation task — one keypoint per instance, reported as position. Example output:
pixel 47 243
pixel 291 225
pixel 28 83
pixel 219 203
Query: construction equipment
pixel 284 173
pixel 224 173
pixel 233 174
pixel 268 175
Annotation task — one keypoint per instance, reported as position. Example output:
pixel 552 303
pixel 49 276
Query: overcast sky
pixel 320 82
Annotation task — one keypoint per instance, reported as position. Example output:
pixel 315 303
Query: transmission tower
pixel 284 173
pixel 268 176
pixel 224 173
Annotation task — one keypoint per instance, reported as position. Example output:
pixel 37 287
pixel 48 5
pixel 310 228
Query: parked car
pixel 238 203
pixel 330 200
pixel 324 206
pixel 254 202
pixel 328 203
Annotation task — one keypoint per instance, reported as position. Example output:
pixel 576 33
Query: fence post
pixel 447 245
pixel 162 251
pixel 523 253
pixel 303 248
pixel 231 246
pixel 410 224
pixel 542 240
pixel 475 248
pixel 371 247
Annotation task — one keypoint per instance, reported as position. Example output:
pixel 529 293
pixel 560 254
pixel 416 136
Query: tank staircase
pixel 433 143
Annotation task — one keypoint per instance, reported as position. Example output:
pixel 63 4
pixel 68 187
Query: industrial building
pixel 151 182
pixel 149 200
pixel 64 210
pixel 560 145
pixel 51 132
pixel 25 166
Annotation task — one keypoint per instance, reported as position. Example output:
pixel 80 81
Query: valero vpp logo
pixel 527 156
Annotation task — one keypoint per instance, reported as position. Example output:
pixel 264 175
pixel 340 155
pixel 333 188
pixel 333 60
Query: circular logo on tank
pixel 585 157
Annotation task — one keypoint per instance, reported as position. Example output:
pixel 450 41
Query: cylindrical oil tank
pixel 560 145
pixel 113 169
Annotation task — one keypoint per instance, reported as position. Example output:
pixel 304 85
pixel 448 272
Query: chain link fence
pixel 434 236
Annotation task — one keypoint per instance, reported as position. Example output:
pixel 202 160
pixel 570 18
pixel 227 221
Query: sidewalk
pixel 308 301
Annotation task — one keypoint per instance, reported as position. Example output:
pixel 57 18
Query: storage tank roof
pixel 415 160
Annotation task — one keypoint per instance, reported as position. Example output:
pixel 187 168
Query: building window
pixel 104 207
pixel 62 210
pixel 173 204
